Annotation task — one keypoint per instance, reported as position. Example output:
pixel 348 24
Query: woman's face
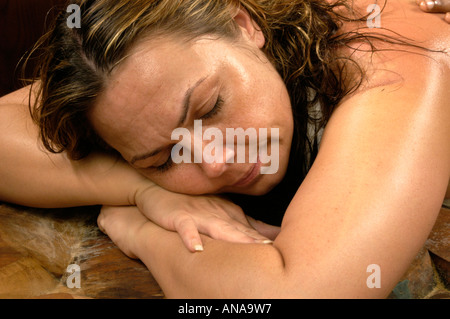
pixel 167 84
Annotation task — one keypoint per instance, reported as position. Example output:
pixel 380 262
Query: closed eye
pixel 166 166
pixel 215 110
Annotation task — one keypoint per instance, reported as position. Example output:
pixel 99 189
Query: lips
pixel 251 175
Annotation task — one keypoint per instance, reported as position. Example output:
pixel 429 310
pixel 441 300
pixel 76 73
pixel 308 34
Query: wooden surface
pixel 37 245
pixel 428 275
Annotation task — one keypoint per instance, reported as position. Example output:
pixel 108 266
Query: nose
pixel 215 166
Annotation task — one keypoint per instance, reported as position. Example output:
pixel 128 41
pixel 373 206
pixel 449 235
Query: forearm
pixel 222 270
pixel 33 177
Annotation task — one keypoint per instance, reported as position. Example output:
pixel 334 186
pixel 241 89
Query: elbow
pixel 256 272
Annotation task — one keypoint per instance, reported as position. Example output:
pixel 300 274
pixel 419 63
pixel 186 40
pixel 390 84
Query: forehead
pixel 144 96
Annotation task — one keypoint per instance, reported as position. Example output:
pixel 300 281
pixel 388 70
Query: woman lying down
pixel 185 118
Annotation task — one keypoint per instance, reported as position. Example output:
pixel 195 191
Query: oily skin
pixel 143 104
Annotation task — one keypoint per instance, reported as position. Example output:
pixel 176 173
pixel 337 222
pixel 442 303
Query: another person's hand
pixel 436 6
pixel 211 215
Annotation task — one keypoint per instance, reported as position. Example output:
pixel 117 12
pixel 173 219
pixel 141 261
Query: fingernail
pixel 198 248
pixel 430 5
pixel 264 241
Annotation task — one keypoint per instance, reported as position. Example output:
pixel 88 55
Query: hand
pixel 210 215
pixel 122 225
pixel 436 6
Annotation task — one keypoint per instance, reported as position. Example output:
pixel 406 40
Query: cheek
pixel 183 178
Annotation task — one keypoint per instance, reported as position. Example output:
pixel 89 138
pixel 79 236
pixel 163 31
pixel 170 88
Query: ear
pixel 249 28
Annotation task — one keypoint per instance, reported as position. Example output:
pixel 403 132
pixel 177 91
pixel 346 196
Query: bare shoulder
pixel 374 190
pixel 382 169
pixel 405 18
pixel 19 97
pixel 422 53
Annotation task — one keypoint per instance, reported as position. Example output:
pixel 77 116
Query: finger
pixel 235 212
pixel 269 231
pixel 119 216
pixel 101 221
pixel 187 229
pixel 447 17
pixel 242 224
pixel 121 224
pixel 436 6
pixel 253 233
pixel 107 216
pixel 231 231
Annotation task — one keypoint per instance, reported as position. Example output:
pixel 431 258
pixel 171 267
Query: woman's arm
pixel 33 177
pixel 371 198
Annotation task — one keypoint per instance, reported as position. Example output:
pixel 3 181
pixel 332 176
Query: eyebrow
pixel 183 117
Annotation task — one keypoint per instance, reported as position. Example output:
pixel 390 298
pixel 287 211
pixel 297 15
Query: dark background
pixel 22 22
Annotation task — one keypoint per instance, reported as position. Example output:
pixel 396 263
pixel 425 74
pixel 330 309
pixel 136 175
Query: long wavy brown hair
pixel 302 38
